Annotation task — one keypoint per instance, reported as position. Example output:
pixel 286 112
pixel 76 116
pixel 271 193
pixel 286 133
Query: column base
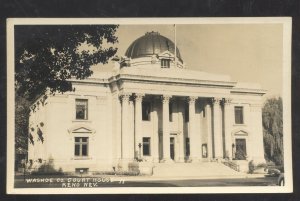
pixel 123 164
pixel 194 160
pixel 155 160
pixel 166 160
pixel 181 160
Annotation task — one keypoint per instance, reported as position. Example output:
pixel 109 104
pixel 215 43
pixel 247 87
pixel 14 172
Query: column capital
pixel 125 96
pixel 192 99
pixel 227 101
pixel 216 101
pixel 138 97
pixel 166 98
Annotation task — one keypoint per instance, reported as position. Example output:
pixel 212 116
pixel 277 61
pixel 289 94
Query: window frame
pixel 148 143
pixel 81 143
pixel 239 118
pixel 165 63
pixel 86 109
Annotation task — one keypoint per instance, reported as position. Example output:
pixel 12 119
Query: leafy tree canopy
pixel 46 56
pixel 273 130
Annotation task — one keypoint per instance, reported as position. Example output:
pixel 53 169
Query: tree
pixel 273 130
pixel 47 56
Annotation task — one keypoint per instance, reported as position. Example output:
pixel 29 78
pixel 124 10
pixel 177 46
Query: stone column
pixel 166 129
pixel 155 134
pixel 209 132
pixel 195 144
pixel 181 136
pixel 127 151
pixel 217 128
pixel 138 123
pixel 228 119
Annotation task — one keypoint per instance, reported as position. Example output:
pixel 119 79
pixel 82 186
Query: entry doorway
pixel 172 148
pixel 240 153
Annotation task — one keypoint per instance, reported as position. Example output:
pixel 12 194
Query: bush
pixel 47 169
pixel 252 167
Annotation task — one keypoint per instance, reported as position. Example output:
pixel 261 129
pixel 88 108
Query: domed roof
pixel 149 44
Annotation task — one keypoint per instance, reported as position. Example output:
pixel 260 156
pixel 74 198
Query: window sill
pixel 82 120
pixel 239 125
pixel 81 158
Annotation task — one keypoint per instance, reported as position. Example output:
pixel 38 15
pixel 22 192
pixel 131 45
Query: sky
pixel 245 52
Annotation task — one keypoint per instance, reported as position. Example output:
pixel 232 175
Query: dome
pixel 149 44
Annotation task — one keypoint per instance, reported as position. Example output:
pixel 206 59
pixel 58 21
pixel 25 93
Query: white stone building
pixel 150 108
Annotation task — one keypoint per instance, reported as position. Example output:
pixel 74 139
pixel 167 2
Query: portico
pixel 179 128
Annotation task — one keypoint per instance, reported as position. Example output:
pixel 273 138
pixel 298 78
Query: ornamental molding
pixel 240 132
pixel 125 96
pixel 138 97
pixel 166 98
pixel 227 101
pixel 176 80
pixel 192 99
pixel 83 129
pixel 216 101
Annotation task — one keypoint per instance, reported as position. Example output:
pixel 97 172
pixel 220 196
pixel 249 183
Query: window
pixel 186 113
pixel 187 146
pixel 146 146
pixel 165 63
pixel 170 112
pixel 146 108
pixel 81 146
pixel 81 109
pixel 238 111
pixel 81 170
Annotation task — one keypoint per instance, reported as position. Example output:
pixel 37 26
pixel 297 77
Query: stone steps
pixel 203 169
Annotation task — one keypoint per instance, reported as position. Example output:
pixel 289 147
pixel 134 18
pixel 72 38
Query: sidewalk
pixel 161 178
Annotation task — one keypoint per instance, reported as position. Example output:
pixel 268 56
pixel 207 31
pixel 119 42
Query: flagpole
pixel 175 45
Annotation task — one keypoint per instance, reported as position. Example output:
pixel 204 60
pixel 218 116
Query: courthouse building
pixel 150 109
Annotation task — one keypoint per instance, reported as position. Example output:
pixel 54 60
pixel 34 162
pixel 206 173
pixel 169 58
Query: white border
pixel 287 26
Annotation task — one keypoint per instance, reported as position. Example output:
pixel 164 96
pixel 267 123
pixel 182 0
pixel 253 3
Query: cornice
pixel 175 80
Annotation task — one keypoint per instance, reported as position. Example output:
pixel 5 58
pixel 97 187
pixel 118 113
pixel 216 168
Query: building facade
pixel 151 109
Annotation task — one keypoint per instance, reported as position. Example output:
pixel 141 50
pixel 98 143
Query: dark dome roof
pixel 149 44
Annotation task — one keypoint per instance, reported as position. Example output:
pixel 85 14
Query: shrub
pixel 47 168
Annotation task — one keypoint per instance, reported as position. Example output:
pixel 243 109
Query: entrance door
pixel 172 148
pixel 240 153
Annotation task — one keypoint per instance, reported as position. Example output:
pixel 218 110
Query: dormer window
pixel 165 63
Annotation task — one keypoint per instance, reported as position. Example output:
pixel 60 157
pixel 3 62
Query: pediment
pixel 81 129
pixel 241 132
pixel 166 54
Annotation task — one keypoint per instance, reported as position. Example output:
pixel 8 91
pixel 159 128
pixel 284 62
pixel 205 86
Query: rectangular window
pixel 146 109
pixel 165 63
pixel 81 146
pixel 170 112
pixel 81 109
pixel 146 146
pixel 238 111
pixel 186 113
